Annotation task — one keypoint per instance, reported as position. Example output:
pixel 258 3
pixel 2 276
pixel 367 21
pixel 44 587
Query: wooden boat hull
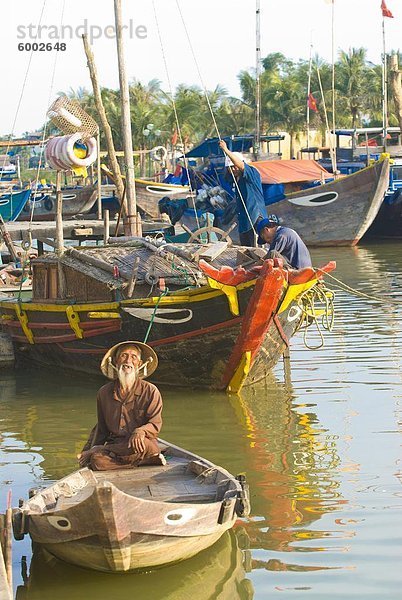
pixel 222 567
pixel 337 213
pixel 149 193
pixel 388 222
pixel 201 336
pixel 75 201
pixel 134 519
pixel 138 553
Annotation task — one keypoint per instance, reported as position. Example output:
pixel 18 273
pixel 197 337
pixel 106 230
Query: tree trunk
pixel 396 87
pixel 114 165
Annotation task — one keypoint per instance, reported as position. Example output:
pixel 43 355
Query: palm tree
pixel 352 81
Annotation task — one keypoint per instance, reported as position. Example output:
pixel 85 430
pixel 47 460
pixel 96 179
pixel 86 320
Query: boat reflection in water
pixel 292 473
pixel 219 572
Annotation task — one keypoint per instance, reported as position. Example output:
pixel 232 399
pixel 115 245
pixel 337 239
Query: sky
pixel 222 33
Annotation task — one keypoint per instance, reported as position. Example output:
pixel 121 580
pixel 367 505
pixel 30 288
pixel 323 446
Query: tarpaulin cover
pixel 240 143
pixel 290 171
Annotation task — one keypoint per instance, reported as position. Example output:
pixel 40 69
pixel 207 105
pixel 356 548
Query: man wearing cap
pixel 284 242
pixel 129 412
pixel 248 192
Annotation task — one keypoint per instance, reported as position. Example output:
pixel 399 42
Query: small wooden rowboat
pixel 144 517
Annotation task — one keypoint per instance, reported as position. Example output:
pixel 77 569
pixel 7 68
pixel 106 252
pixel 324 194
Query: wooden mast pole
pixel 335 167
pixel 134 224
pixel 99 177
pixel 59 235
pixel 310 62
pixel 114 165
pixel 384 89
pixel 257 141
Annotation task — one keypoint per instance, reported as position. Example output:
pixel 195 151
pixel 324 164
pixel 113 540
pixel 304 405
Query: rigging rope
pixel 175 112
pixel 212 113
pixel 23 87
pixel 346 288
pixel 26 246
pixel 42 146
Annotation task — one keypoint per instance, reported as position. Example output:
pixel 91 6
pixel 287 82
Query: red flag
pixel 385 11
pixel 312 103
pixel 174 138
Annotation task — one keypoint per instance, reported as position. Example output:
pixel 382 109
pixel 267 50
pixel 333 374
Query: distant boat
pixel 138 518
pixel 148 193
pixel 337 213
pixel 324 211
pixel 12 203
pixel 76 200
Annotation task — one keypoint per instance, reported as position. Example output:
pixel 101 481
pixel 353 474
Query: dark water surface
pixel 322 458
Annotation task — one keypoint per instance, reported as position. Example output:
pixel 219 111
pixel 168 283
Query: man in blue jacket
pixel 248 192
pixel 283 241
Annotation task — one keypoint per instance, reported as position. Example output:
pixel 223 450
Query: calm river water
pixel 322 457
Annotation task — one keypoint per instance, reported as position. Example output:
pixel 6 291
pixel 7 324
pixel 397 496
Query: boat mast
pixel 308 95
pixel 257 81
pixel 134 224
pixel 384 89
pixel 333 85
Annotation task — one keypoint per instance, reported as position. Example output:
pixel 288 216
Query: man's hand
pixel 137 441
pixel 223 146
pixel 85 457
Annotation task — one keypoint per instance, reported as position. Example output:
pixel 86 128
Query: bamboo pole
pixel 106 226
pixel 258 82
pixel 59 236
pixel 99 178
pixel 114 165
pixel 8 547
pixel 59 216
pixel 133 278
pixel 134 224
pixel 5 589
pixel 7 240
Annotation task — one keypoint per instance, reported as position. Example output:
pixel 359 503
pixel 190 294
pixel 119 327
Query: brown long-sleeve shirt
pixel 119 418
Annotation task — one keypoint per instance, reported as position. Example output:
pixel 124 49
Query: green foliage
pixel 283 101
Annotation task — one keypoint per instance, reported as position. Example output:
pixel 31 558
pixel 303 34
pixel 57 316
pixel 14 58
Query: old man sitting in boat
pixel 129 412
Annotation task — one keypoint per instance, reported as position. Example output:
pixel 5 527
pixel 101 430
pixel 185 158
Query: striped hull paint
pixel 200 337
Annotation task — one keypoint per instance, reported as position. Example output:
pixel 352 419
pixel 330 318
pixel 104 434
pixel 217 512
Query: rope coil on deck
pixel 311 314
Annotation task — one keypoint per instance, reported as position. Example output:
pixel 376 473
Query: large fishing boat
pixel 219 316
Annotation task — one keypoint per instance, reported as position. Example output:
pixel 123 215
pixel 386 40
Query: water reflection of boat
pixel 291 472
pixel 219 572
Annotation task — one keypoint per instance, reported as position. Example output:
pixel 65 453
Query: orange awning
pixel 290 171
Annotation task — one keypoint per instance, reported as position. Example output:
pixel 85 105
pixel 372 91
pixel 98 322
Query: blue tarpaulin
pixel 238 143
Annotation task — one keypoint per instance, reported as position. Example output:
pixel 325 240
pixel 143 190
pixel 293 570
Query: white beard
pixel 127 379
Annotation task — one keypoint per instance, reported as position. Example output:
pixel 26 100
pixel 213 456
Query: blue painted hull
pixel 11 204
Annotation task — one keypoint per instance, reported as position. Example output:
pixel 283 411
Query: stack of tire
pixel 67 152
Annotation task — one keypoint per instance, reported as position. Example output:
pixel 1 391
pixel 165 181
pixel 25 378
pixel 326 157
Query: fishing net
pixel 68 116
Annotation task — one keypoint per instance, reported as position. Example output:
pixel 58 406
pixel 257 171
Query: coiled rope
pixel 307 302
